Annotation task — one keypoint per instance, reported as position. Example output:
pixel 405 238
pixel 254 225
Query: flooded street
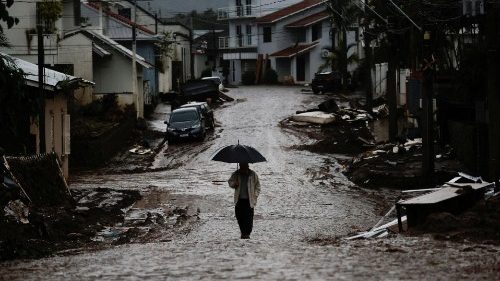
pixel 306 205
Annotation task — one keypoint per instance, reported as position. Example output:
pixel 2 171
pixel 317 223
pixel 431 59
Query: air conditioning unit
pixel 325 53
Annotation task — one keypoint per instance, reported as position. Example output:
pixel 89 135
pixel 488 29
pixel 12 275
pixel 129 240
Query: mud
pixel 55 229
pixel 306 208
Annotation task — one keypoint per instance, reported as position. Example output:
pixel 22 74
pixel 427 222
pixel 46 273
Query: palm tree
pixel 337 58
pixel 344 14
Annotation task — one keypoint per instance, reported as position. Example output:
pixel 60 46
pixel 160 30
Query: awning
pixel 294 50
pixel 309 20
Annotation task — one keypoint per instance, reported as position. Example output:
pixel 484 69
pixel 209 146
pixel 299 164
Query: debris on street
pixel 316 117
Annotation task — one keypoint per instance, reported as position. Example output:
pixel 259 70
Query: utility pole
pixel 368 62
pixel 41 76
pixel 135 91
pixel 191 55
pixel 391 81
pixel 156 23
pixel 428 108
pixel 214 53
pixel 493 30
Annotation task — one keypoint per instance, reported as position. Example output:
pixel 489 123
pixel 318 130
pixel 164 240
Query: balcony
pixel 243 41
pixel 234 12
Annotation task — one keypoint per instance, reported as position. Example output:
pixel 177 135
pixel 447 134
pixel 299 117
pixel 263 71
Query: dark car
pixel 204 110
pixel 326 81
pixel 185 123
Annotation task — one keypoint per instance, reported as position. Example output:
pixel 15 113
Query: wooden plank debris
pixel 453 197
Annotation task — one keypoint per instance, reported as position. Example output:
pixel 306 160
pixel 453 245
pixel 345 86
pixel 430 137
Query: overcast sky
pixel 170 8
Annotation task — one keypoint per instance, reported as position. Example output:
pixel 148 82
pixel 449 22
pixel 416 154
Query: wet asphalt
pixel 305 208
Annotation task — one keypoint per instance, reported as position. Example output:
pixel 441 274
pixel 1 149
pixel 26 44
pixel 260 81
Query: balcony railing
pixel 242 41
pixel 243 11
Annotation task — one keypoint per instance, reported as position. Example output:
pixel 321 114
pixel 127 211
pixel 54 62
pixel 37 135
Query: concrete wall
pixel 165 77
pixel 200 64
pixel 56 110
pixel 113 76
pixel 25 46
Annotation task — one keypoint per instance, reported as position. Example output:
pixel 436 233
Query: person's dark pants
pixel 244 215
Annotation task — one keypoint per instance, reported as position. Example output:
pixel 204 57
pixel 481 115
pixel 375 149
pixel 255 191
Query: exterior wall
pixel 23 46
pixel 315 55
pixel 283 37
pixel 69 21
pixel 261 7
pixel 56 110
pixel 147 51
pixel 77 50
pixel 113 76
pixel 233 38
pixel 165 77
pixel 182 37
pixel 200 64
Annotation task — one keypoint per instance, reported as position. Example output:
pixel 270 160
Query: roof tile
pixel 288 11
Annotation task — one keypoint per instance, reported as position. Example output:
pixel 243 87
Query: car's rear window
pixel 183 116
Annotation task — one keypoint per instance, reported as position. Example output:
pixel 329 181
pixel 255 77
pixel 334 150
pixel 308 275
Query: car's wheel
pixel 316 91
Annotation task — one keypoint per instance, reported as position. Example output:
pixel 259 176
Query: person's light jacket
pixel 253 187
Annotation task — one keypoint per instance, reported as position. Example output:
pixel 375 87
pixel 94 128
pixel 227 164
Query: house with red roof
pixel 296 38
pixel 240 47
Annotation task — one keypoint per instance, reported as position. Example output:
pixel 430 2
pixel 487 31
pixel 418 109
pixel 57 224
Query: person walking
pixel 246 185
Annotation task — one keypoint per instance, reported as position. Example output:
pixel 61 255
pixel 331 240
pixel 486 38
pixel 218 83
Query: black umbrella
pixel 238 153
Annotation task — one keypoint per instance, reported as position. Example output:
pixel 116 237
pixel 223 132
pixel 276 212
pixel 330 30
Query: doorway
pixel 301 68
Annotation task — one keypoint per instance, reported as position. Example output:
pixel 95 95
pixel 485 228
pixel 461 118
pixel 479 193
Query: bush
pixel 270 77
pixel 207 72
pixel 248 78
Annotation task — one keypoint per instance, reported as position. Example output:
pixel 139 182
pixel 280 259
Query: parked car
pixel 205 110
pixel 326 81
pixel 185 123
pixel 216 80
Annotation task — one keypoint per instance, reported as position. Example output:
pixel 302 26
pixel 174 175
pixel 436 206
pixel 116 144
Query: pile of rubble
pixel 39 215
pixel 399 166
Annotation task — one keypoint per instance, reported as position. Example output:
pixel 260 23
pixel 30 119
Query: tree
pixel 4 15
pixel 343 14
pixel 17 105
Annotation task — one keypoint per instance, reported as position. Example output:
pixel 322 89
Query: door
pixel 301 68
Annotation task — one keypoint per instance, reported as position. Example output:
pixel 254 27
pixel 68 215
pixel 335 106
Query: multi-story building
pixel 296 36
pixel 240 47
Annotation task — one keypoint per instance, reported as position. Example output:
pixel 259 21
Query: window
pixel 267 34
pixel 239 36
pixel 316 31
pixel 239 8
pixel 249 35
pixel 248 7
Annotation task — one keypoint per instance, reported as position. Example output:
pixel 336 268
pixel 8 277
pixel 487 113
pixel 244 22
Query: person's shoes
pixel 246 236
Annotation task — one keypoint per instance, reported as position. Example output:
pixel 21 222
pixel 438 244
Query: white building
pixel 296 36
pixel 178 68
pixel 240 47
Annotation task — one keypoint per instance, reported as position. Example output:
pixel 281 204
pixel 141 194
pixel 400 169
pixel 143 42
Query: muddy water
pixel 300 201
